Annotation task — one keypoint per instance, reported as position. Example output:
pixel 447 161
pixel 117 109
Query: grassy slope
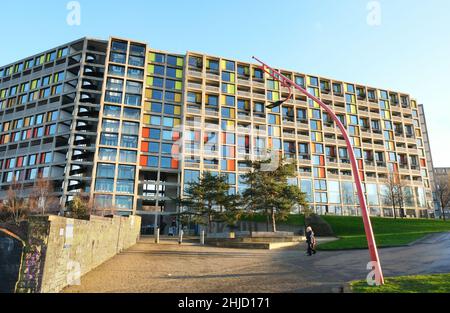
pixel 296 220
pixel 408 284
pixel 388 232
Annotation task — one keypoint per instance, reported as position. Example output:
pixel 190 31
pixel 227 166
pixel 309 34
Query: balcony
pixel 195 73
pixel 243 82
pixel 195 86
pixel 244 93
pixel 212 88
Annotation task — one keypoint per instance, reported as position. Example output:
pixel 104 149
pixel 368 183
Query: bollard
pixel 180 240
pixel 157 235
pixel 202 238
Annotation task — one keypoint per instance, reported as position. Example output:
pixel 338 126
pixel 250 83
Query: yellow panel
pixel 146 119
pixel 180 61
pixel 152 56
pixel 179 74
pixel 178 85
pixel 177 110
pixel 151 69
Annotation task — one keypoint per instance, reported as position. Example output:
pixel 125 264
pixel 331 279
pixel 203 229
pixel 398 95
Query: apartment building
pixel 131 126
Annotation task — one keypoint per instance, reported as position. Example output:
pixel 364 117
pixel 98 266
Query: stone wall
pixel 59 250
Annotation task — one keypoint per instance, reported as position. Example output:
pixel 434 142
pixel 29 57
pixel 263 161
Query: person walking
pixel 310 241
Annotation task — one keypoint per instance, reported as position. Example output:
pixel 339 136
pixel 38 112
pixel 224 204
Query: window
pixel 195 62
pixel 113 97
pixel 128 156
pixel 126 172
pixel 157 57
pixel 134 114
pixel 110 125
pixel 112 111
pixel 119 46
pixel 124 186
pixel 118 58
pixel 124 202
pixel 212 100
pixel 258 74
pixel 175 61
pixel 104 185
pixel 243 70
pixel 130 128
pixel 212 65
pixel 106 170
pixel 300 80
pixel 135 73
pixel 129 141
pixel 313 81
pixel 137 50
pixel 109 139
pixel 136 61
pixel 107 154
pixel 228 65
pixel 337 89
pixel 174 84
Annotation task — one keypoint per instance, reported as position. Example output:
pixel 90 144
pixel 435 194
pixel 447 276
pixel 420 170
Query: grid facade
pixel 153 121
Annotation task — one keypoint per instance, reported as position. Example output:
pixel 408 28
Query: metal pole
pixel 287 83
pixel 202 238
pixel 180 240
pixel 157 235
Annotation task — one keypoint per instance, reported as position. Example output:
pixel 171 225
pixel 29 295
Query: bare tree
pixel 395 193
pixel 442 191
pixel 14 204
pixel 41 198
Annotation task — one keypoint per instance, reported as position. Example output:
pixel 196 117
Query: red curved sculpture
pixel 287 83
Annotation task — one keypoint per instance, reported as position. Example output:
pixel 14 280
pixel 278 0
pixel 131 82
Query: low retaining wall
pixel 58 251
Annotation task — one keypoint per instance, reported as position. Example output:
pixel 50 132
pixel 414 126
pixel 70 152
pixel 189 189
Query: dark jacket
pixel 310 237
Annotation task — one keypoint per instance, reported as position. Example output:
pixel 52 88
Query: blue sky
pixel 409 51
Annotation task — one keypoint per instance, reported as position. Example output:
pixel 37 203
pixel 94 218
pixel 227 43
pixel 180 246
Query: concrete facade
pixel 135 125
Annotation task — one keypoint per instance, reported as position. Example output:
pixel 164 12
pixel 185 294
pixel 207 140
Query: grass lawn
pixel 295 219
pixel 388 232
pixel 407 284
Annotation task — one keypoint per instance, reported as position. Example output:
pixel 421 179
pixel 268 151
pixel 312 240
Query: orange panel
pixel 144 146
pixel 146 132
pixel 144 160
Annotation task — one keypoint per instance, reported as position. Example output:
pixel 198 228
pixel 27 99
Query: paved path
pixel 191 268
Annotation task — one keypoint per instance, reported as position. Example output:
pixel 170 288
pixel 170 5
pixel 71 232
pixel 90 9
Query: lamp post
pixel 287 83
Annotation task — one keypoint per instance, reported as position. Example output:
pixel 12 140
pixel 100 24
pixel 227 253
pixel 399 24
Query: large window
pixel 334 193
pixel 104 185
pixel 107 154
pixel 129 141
pixel 128 156
pixel 109 139
pixel 126 172
pixel 130 128
pixel 106 170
